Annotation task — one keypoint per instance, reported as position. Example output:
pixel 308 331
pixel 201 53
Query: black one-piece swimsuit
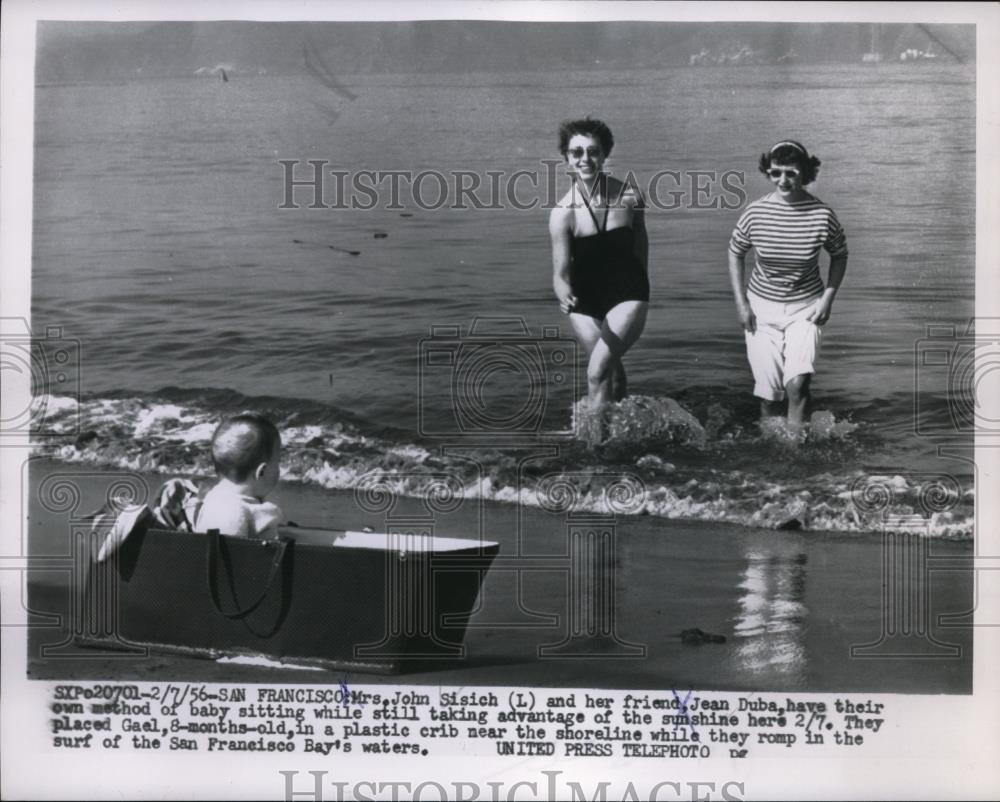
pixel 604 270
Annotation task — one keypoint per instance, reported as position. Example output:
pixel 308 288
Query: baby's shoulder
pixel 224 510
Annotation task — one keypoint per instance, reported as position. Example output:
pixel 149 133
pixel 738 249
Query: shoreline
pixel 789 604
pixel 863 499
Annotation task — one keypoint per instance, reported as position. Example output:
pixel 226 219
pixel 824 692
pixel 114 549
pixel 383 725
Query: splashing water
pixel 823 425
pixel 637 419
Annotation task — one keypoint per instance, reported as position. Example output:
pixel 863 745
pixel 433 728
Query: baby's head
pixel 246 449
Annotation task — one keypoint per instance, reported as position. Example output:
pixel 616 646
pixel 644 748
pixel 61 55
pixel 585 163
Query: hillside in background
pixel 75 51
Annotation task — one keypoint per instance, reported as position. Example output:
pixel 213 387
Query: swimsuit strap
pixel 603 179
pixel 586 202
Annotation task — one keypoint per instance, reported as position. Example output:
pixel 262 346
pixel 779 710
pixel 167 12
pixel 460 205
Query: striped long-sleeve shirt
pixel 787 238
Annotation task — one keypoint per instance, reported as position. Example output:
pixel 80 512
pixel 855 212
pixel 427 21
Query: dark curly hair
pixel 790 152
pixel 588 127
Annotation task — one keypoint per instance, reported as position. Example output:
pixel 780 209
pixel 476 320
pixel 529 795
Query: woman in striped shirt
pixel 785 303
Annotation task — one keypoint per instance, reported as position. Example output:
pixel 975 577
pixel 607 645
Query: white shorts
pixel 785 344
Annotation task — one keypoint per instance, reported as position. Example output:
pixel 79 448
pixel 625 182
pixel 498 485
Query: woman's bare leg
pixel 622 327
pixel 588 333
pixel 619 383
pixel 799 401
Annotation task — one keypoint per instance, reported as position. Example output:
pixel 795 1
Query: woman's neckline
pixel 776 197
pixel 605 231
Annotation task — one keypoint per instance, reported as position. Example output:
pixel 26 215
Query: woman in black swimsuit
pixel 599 256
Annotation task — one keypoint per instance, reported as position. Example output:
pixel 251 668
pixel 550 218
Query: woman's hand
pixel 747 317
pixel 567 300
pixel 821 312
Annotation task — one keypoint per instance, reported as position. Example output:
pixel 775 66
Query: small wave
pixel 657 459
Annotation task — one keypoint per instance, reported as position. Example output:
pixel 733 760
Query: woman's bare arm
pixel 737 268
pixel 559 232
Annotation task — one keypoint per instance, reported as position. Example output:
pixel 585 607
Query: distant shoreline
pixel 117 50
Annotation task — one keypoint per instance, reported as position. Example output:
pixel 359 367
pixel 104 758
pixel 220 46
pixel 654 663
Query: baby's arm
pixel 266 518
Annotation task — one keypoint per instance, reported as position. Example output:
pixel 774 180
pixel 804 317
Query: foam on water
pixel 656 459
pixel 823 425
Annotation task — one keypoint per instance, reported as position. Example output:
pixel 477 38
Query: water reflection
pixel 769 626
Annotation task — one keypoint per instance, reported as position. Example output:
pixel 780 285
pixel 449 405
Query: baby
pixel 245 450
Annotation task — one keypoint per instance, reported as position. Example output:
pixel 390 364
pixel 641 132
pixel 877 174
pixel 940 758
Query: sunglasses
pixel 775 173
pixel 577 153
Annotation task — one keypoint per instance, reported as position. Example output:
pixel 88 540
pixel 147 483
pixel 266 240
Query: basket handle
pixel 213 585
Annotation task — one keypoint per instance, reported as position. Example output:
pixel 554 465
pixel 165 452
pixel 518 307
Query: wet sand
pixel 790 605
